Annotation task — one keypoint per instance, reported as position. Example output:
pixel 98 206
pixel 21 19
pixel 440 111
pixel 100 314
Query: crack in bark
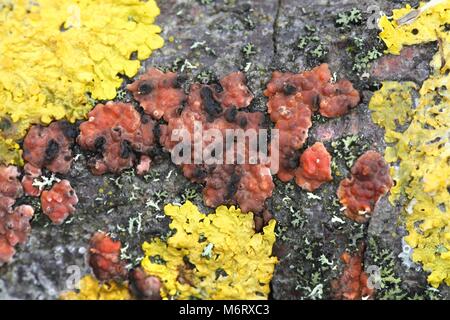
pixel 275 28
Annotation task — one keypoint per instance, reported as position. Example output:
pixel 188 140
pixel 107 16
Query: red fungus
pixel 234 91
pixel 116 131
pixel 216 107
pixel 14 222
pixel 143 286
pixel 144 165
pixel 315 167
pixel 9 184
pixel 369 181
pixel 353 283
pixel 50 147
pixel 160 94
pixel 104 257
pixel 31 173
pixel 14 227
pixel 291 95
pixel 59 202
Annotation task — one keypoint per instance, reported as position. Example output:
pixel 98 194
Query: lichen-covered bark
pixel 210 41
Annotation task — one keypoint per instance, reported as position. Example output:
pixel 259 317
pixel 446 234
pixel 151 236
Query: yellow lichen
pixel 420 153
pixel 54 54
pixel 215 256
pixel 426 28
pixel 91 289
pixel 10 152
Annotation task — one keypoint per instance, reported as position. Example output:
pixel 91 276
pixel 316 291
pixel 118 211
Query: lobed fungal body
pixel 315 167
pixel 59 202
pixel 104 257
pixel 50 147
pixel 14 222
pixel 353 283
pixel 215 108
pixel 293 98
pixel 370 180
pixel 118 134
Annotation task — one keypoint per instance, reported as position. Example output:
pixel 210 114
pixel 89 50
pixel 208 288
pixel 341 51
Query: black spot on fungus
pixel 70 131
pixel 179 81
pixel 293 162
pixel 145 119
pixel 51 151
pixel 125 149
pixel 231 114
pixel 199 173
pixel 316 103
pixel 218 88
pixel 232 186
pixel 289 89
pixel 145 88
pixel 212 107
pixel 243 122
pixel 99 143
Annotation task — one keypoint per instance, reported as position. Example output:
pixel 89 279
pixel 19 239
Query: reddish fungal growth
pixel 31 173
pixel 246 185
pixel 143 286
pixel 104 257
pixel 315 167
pixel 215 107
pixel 14 227
pixel 293 98
pixel 50 147
pixel 235 93
pixel 117 132
pixel 59 202
pixel 144 165
pixel 293 132
pixel 9 184
pixel 352 285
pixel 160 94
pixel 369 181
pixel 14 223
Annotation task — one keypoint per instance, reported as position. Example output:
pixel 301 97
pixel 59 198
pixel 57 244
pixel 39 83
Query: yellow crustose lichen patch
pixel 56 53
pixel 92 289
pixel 420 154
pixel 215 256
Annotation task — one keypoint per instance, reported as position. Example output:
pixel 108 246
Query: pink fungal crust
pixel 216 107
pixel 104 257
pixel 31 173
pixel 9 184
pixel 143 286
pixel 59 202
pixel 14 227
pixel 14 222
pixel 292 100
pixel 353 282
pixel 315 167
pixel 160 94
pixel 50 147
pixel 118 134
pixel 369 181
